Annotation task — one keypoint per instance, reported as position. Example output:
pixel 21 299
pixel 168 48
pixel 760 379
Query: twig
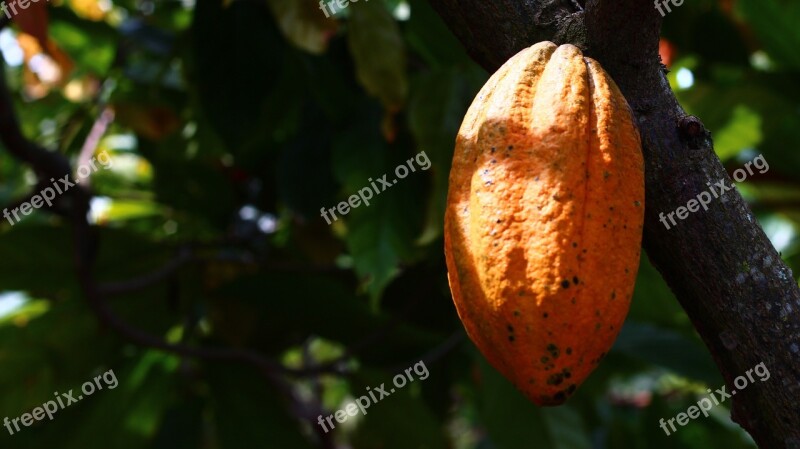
pixel 144 281
pixel 437 352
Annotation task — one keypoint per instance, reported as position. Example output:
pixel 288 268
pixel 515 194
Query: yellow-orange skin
pixel 544 219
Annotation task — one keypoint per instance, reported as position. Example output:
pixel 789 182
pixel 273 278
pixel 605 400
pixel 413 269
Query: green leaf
pixel 668 349
pixel 515 423
pixel 743 131
pixel 249 412
pixel 380 235
pixel 379 53
pixel 428 36
pixel 245 79
pixel 439 101
pixel 399 421
pixel 123 417
pixel 775 24
pixel 303 24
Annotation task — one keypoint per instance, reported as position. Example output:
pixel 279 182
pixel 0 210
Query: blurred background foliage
pixel 235 122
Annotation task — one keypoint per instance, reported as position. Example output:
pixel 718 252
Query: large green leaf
pixel 249 411
pixel 378 52
pixel 400 420
pixel 775 23
pixel 515 423
pixel 438 103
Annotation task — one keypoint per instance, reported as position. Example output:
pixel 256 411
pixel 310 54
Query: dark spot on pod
pixel 553 350
pixel 559 396
pixel 574 244
pixel 493 149
pixel 510 328
pixel 569 351
pixel 613 294
pixel 494 161
pixel 511 338
pixel 572 300
pixel 516 313
pixel 555 379
pixel 499 221
pixel 510 147
pixel 572 388
pixel 567 373
pixel 545 315
pixel 565 283
pixel 545 359
pixel 575 280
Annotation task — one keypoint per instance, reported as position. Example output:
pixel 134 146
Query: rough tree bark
pixel 742 299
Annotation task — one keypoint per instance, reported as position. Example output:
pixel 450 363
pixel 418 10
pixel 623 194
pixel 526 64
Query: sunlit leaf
pixel 303 24
pixel 379 53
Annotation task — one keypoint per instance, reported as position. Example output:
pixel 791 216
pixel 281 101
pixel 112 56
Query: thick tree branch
pixel 740 296
pixel 516 25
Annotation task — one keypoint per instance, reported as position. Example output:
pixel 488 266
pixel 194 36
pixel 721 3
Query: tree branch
pixel 740 296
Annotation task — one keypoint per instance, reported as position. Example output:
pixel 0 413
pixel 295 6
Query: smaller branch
pixel 437 352
pixel 142 282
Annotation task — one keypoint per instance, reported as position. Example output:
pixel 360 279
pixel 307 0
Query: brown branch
pixel 742 299
pixel 146 280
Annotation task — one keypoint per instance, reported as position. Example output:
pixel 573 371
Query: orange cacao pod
pixel 544 219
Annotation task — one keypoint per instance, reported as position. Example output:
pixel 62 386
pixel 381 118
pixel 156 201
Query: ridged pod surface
pixel 544 219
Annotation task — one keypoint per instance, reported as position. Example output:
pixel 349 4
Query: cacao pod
pixel 544 219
